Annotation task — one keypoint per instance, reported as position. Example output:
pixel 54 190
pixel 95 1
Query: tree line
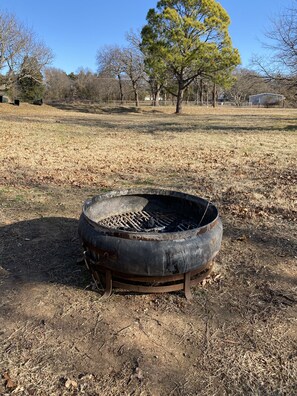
pixel 183 53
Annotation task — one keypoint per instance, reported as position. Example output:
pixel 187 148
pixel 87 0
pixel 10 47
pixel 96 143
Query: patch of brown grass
pixel 238 336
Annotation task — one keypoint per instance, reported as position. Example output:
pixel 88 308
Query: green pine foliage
pixel 30 81
pixel 185 39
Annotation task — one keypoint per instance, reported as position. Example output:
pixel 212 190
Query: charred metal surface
pixel 193 215
pixel 150 234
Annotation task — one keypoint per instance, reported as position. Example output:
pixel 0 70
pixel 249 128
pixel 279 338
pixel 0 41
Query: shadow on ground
pixel 47 250
pixel 43 250
pixel 94 108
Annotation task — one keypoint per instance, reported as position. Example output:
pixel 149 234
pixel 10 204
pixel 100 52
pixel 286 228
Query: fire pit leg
pixel 187 286
pixel 108 284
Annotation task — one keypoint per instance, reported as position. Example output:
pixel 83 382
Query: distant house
pixel 266 99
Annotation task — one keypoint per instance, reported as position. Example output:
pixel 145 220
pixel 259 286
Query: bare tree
pixel 133 63
pixel 17 42
pixel 245 83
pixel 109 61
pixel 281 67
pixel 283 41
pixel 124 64
pixel 58 84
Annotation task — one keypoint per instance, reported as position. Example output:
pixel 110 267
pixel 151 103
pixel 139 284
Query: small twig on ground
pixel 99 319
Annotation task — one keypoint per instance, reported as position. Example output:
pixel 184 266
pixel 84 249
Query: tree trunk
pixel 187 96
pixel 179 99
pixel 197 95
pixel 157 97
pixel 155 92
pixel 201 92
pixel 152 94
pixel 214 95
pixel 121 89
pixel 136 96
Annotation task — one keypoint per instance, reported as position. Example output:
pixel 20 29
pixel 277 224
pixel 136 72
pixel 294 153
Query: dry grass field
pixel 238 336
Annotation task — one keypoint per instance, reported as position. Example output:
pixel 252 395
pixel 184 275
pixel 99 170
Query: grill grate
pixel 146 221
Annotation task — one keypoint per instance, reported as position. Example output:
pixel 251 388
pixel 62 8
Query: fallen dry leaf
pixel 9 383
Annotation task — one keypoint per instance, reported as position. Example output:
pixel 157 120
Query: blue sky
pixel 75 30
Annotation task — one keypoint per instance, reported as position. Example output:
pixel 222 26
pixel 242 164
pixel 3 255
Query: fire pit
pixel 149 241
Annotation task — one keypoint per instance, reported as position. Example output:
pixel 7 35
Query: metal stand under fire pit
pixel 110 279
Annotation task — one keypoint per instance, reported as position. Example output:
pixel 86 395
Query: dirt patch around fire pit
pixel 237 336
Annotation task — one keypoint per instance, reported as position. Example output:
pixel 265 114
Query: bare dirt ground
pixel 237 337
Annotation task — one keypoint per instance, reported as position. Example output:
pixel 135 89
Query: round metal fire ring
pixel 149 240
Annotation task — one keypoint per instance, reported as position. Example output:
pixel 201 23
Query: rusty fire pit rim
pixel 152 235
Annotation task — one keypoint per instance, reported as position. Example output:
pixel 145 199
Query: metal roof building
pixel 266 99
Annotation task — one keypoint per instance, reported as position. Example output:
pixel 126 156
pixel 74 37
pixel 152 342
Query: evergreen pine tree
pixel 30 80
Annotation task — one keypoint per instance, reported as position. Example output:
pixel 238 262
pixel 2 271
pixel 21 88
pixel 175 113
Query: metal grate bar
pixel 143 221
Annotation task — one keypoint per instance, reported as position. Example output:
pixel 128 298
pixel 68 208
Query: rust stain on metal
pixel 103 275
